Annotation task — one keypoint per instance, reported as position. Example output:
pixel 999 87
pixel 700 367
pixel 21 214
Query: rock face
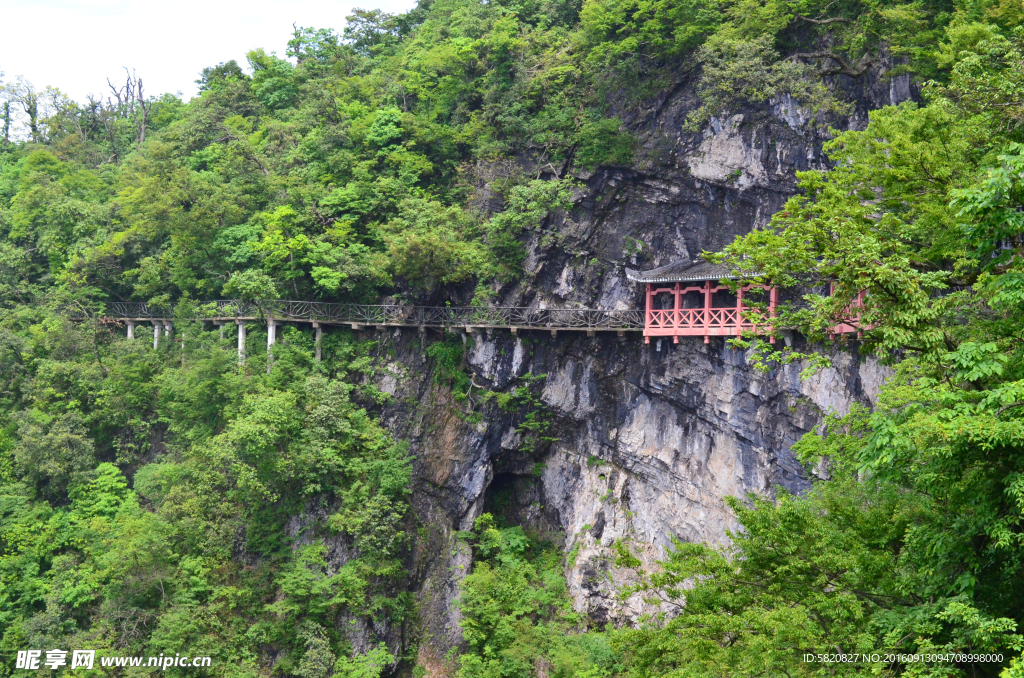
pixel 648 438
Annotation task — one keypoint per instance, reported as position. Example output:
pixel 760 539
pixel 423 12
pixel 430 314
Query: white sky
pixel 76 45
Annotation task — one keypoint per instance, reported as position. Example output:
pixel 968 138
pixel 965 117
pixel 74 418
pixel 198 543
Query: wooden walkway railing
pixel 396 315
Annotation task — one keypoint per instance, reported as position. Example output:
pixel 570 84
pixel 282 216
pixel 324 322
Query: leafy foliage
pixel 86 560
pixel 517 616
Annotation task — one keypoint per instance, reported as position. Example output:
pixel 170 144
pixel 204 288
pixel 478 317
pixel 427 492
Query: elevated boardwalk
pixel 360 316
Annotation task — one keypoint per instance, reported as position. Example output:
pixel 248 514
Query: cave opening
pixel 517 499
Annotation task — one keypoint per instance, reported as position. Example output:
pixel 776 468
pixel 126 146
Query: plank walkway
pixel 359 316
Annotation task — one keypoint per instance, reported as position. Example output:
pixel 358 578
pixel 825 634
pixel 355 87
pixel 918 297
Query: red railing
pixel 852 321
pixel 699 322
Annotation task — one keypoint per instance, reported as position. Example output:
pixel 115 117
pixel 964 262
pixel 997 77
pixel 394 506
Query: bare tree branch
pixel 1019 403
pixel 823 22
pixel 844 67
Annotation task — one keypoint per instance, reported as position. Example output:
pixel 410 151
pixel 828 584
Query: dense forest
pixel 150 500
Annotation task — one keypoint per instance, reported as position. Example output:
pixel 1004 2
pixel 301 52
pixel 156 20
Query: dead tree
pixel 131 101
pixel 22 92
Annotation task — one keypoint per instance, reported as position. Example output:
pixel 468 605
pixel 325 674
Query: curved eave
pixel 638 276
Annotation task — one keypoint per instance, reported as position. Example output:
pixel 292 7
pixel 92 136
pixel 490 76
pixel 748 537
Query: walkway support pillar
pixel 271 340
pixel 156 334
pixel 131 329
pixel 220 326
pixel 168 326
pixel 241 341
pixel 319 338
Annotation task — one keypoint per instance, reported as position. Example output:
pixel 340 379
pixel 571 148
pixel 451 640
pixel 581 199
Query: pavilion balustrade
pixel 851 316
pixel 708 321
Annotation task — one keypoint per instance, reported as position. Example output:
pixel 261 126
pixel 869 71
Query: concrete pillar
pixel 156 334
pixel 319 338
pixel 167 328
pixel 271 340
pixel 131 329
pixel 241 341
pixel 220 326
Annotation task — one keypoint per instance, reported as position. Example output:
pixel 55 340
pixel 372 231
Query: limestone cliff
pixel 650 438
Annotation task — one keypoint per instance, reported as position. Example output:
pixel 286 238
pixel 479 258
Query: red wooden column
pixel 773 301
pixel 739 311
pixel 707 309
pixel 831 292
pixel 648 315
pixel 860 309
pixel 677 316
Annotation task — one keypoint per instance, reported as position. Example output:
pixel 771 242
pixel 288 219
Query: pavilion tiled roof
pixel 684 271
